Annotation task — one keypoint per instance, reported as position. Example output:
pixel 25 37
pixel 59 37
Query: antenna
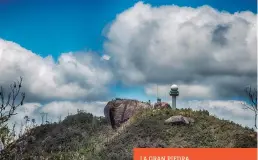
pixel 42 116
pixel 46 116
pixel 158 99
pixel 157 91
pixel 60 119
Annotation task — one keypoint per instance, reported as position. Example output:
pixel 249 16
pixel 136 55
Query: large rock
pixel 119 111
pixel 179 120
pixel 161 105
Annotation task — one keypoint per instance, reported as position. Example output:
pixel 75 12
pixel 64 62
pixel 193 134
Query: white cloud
pixel 199 47
pixel 74 76
pixel 229 110
pixel 57 108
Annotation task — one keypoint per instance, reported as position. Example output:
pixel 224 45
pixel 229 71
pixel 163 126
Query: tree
pixel 252 97
pixel 9 105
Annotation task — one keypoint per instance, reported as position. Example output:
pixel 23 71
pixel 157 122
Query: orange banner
pixel 195 153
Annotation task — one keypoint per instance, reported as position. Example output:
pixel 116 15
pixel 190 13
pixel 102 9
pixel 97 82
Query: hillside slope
pixel 83 136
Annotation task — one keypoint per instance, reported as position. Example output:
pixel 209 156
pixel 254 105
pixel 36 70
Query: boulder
pixel 119 111
pixel 161 105
pixel 179 120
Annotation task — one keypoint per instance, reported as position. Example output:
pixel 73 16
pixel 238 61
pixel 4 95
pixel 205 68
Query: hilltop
pixel 84 136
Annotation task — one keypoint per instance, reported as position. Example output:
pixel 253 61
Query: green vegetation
pixel 84 136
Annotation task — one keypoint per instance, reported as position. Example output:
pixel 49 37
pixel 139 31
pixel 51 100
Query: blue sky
pixel 55 27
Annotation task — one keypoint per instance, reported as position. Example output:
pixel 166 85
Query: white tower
pixel 174 92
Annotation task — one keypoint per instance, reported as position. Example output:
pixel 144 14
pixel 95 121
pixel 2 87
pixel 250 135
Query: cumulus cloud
pixel 201 48
pixel 74 76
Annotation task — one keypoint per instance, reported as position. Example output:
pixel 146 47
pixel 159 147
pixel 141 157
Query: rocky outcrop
pixel 119 111
pixel 161 105
pixel 179 120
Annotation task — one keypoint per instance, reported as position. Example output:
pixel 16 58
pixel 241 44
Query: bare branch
pixel 10 103
pixel 252 96
pixel 249 107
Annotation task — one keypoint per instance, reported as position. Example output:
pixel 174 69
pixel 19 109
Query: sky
pixel 81 54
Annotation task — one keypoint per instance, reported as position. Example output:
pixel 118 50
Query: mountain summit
pixel 84 136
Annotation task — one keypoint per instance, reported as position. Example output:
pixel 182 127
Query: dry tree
pixel 252 105
pixel 9 102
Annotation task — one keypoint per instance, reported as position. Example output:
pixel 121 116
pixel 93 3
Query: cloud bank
pixel 203 47
pixel 75 76
pixel 229 110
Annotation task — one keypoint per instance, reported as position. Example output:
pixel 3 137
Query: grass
pixel 84 136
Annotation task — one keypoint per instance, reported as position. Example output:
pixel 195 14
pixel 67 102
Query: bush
pixel 245 141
